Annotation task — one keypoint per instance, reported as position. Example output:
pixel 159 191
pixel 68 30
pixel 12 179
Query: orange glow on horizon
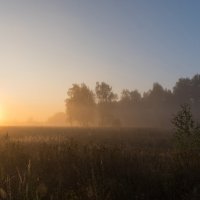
pixel 1 114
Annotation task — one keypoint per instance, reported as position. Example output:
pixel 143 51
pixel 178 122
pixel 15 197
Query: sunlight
pixel 1 114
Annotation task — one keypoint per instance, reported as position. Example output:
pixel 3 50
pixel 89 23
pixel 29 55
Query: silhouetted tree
pixel 152 109
pixel 128 96
pixel 157 94
pixel 183 91
pixel 156 107
pixel 195 82
pixel 104 93
pixel 187 91
pixel 129 107
pixel 106 99
pixel 80 104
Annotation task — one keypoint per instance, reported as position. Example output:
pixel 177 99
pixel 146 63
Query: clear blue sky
pixel 46 45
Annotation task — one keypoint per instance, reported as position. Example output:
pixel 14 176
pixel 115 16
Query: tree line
pixel 154 108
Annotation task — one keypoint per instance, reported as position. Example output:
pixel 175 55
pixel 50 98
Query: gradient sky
pixel 46 45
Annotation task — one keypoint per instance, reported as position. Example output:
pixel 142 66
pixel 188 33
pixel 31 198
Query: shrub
pixel 187 131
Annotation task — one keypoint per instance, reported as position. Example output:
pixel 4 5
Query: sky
pixel 47 45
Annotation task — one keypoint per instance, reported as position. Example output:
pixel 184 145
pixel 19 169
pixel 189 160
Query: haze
pixel 46 46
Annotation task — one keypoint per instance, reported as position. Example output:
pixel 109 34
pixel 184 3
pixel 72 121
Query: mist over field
pixel 154 108
pixel 99 100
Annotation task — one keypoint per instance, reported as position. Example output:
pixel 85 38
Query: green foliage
pixel 187 132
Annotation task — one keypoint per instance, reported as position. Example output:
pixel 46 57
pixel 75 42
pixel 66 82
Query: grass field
pixel 96 164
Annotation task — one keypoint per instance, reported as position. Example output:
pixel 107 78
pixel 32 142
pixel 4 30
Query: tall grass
pixel 96 164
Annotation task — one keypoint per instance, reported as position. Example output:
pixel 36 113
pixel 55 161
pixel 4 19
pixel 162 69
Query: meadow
pixel 38 163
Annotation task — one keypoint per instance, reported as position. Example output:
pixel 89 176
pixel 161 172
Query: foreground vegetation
pixel 58 163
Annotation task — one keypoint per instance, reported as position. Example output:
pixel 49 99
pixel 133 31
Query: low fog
pixel 154 108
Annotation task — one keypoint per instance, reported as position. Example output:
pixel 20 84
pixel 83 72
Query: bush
pixel 187 131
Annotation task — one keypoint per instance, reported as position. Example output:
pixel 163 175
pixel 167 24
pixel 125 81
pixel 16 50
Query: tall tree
pixel 183 91
pixel 130 97
pixel 130 107
pixel 106 99
pixel 104 93
pixel 80 104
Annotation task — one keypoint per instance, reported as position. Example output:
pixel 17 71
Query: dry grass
pixel 96 164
